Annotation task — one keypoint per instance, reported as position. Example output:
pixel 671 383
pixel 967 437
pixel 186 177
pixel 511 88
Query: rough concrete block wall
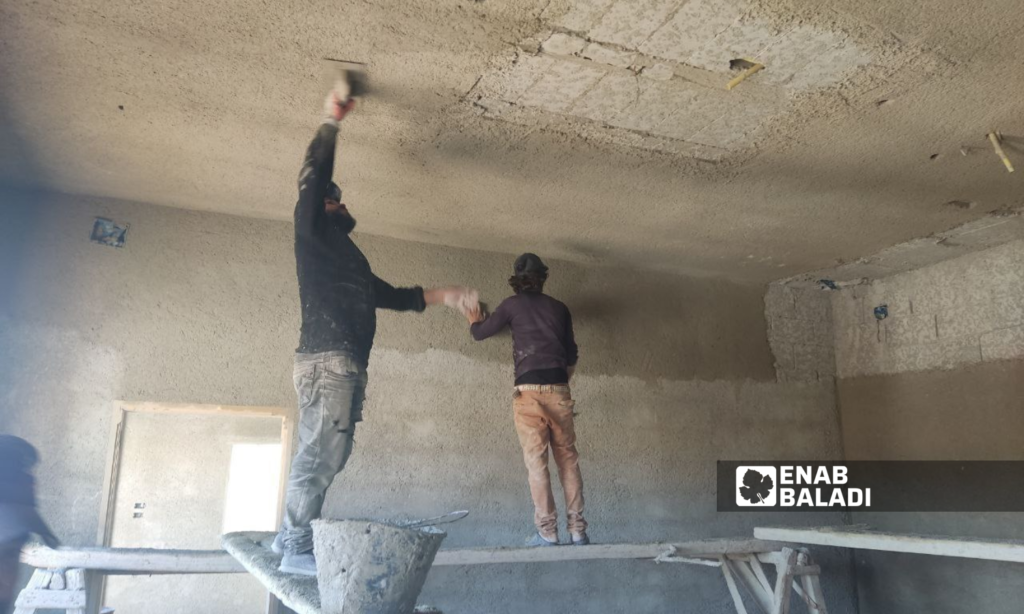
pixel 675 374
pixel 959 312
pixel 800 333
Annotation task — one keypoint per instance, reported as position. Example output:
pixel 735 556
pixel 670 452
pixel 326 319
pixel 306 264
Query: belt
pixel 542 388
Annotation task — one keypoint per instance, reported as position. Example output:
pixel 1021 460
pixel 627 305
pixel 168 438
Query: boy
pixel 545 355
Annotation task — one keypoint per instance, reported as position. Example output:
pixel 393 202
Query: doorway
pixel 181 475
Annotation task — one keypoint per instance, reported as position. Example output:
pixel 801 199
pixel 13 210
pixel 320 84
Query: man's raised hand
pixel 335 108
pixel 459 298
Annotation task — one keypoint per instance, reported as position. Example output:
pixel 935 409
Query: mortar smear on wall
pixel 658 69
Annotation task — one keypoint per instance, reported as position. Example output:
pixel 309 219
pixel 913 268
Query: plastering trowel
pixel 346 79
pixel 442 519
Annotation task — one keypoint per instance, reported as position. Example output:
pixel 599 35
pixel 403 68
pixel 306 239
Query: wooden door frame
pixel 113 463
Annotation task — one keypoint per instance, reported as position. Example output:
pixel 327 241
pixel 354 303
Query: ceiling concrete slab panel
pixel 578 16
pixel 608 98
pixel 693 24
pixel 630 22
pixel 746 38
pixel 560 86
pixel 602 54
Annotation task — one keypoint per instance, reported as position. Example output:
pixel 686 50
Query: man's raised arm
pixel 318 167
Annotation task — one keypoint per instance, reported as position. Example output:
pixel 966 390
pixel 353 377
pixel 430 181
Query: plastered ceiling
pixel 592 130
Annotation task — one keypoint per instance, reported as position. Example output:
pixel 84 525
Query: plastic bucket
pixel 370 567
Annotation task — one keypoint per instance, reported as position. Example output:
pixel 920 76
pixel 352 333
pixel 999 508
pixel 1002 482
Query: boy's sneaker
pixel 580 540
pixel 538 540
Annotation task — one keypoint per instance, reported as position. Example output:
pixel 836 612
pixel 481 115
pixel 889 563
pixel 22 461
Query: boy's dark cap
pixel 529 263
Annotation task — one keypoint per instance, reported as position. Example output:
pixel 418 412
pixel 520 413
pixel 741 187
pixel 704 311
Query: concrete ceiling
pixel 592 130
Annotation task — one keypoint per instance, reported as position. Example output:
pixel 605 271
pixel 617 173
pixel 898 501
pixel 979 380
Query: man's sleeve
pixel 572 351
pixel 494 323
pixel 398 299
pixel 314 178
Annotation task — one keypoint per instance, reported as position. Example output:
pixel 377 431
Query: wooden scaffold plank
pixel 844 537
pixel 153 561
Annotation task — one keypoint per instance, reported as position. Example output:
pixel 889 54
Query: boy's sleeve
pixel 572 351
pixel 494 323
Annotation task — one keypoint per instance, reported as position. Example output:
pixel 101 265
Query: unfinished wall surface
pixel 941 378
pixel 800 333
pixel 675 374
pixel 956 313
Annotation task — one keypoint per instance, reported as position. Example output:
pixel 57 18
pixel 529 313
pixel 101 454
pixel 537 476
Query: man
pixel 340 295
pixel 545 355
pixel 18 515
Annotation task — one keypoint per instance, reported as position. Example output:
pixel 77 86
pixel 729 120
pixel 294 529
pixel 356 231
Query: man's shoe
pixel 580 540
pixel 278 546
pixel 302 564
pixel 538 540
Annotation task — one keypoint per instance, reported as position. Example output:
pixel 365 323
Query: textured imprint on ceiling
pixel 653 73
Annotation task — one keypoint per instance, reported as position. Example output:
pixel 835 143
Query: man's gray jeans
pixel 331 387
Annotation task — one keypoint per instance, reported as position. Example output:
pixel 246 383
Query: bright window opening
pixel 253 479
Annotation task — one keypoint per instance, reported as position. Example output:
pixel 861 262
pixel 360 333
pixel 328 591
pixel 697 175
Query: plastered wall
pixel 675 373
pixel 941 377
